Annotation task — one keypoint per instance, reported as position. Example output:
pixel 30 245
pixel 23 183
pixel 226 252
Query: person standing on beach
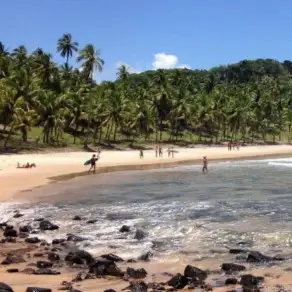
pixel 141 154
pixel 156 151
pixel 205 164
pixel 93 163
pixel 168 151
pixel 160 152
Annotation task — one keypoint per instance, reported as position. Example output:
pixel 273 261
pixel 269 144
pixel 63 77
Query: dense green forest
pixel 61 105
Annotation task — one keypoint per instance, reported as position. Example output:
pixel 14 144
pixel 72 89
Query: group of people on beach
pixel 232 145
pixel 159 152
pixel 27 165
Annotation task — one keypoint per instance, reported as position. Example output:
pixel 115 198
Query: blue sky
pixel 148 34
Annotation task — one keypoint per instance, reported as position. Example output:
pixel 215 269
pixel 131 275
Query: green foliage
pixel 249 100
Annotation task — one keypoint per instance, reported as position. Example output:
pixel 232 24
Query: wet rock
pixel 25 228
pixel 58 241
pixel 194 272
pixel 232 268
pixel 231 281
pixel 32 240
pixel 53 257
pixel 12 271
pixel 75 238
pixel 47 225
pixel 131 261
pixel 13 259
pixel 46 272
pixel 105 267
pixel 237 251
pixel 79 257
pixel 178 281
pixel 140 234
pixel 44 264
pixel 77 218
pixel 250 280
pixel 146 256
pixel 38 255
pixel 10 232
pixel 37 289
pixel 138 287
pixel 136 273
pixel 5 288
pixel 91 221
pixel 10 240
pixel 112 257
pixel 125 228
pixel 257 257
pixel 18 215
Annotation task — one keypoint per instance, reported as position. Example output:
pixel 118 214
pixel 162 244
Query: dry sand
pixel 13 180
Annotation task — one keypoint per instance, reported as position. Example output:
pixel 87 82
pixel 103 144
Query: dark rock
pixel 75 290
pixel 47 225
pixel 10 239
pixel 138 287
pixel 38 255
pixel 105 267
pixel 140 234
pixel 178 281
pixel 77 218
pixel 34 231
pixel 109 290
pixel 91 221
pixel 46 272
pixel 131 261
pixel 12 271
pixel 5 288
pixel 32 240
pixel 112 257
pixel 250 289
pixel 75 238
pixel 257 257
pixel 231 268
pixel 8 232
pixel 23 234
pixel 125 228
pixel 58 241
pixel 193 272
pixel 136 273
pixel 28 271
pixel 39 219
pixel 53 257
pixel 37 289
pixel 79 257
pixel 44 264
pixel 231 281
pixel 146 256
pixel 13 259
pixel 250 280
pixel 18 215
pixel 237 251
pixel 25 228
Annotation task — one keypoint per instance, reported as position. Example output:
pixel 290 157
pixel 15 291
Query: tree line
pixel 249 100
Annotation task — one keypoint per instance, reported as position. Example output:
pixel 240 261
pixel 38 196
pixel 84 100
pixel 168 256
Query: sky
pixel 152 34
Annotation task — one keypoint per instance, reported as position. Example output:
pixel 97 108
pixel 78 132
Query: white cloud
pixel 167 61
pixel 131 69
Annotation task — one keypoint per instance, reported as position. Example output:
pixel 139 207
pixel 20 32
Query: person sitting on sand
pixel 27 165
pixel 93 163
pixel 205 164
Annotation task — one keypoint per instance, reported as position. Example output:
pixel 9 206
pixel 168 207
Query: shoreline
pixel 56 167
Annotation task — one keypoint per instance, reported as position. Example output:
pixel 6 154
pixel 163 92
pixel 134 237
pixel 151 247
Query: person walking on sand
pixel 205 164
pixel 93 163
pixel 160 152
pixel 168 151
pixel 141 154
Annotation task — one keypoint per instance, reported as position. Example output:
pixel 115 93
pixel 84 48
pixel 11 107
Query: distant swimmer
pixel 205 164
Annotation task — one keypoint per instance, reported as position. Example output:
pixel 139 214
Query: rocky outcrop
pixel 178 281
pixel 47 225
pixel 232 268
pixel 79 257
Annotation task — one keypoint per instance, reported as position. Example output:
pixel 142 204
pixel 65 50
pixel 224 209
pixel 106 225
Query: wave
pixel 280 164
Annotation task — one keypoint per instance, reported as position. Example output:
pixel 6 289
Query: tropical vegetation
pixel 249 101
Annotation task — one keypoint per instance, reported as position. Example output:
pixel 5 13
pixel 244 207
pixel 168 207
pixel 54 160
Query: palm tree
pixel 3 50
pixel 91 61
pixel 123 72
pixel 66 46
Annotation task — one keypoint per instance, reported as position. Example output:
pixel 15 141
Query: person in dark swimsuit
pixel 205 164
pixel 93 163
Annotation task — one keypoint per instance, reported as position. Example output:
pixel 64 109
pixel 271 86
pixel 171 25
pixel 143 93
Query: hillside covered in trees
pixel 61 105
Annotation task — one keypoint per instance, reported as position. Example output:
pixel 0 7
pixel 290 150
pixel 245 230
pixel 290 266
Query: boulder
pixel 37 289
pixel 5 288
pixel 194 272
pixel 25 228
pixel 75 238
pixel 47 225
pixel 91 221
pixel 76 218
pixel 53 257
pixel 58 241
pixel 46 272
pixel 10 232
pixel 250 280
pixel 140 234
pixel 138 287
pixel 18 215
pixel 237 251
pixel 32 240
pixel 125 228
pixel 257 257
pixel 12 271
pixel 178 281
pixel 232 268
pixel 105 267
pixel 136 273
pixel 79 257
pixel 44 264
pixel 112 257
pixel 13 259
pixel 231 281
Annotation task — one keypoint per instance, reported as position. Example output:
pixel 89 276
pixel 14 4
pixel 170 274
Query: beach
pixel 18 184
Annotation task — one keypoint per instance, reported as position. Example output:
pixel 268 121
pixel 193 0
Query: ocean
pixel 182 211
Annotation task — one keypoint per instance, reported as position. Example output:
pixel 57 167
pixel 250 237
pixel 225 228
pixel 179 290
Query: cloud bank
pixel 167 61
